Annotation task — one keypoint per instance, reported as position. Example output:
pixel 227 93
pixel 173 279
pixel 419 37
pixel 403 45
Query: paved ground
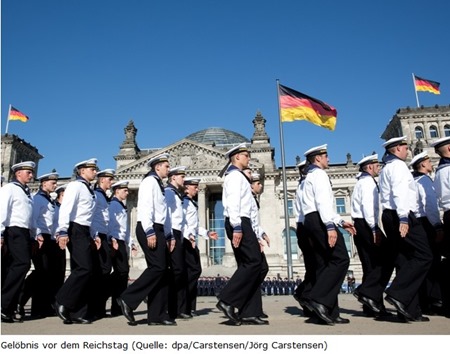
pixel 284 314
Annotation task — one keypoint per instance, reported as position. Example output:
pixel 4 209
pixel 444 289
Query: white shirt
pixel 192 227
pixel 16 206
pixel 317 195
pixel 118 221
pixel 43 212
pixel 297 203
pixel 427 199
pixel 397 188
pixel 259 232
pixel 237 197
pixel 77 206
pixel 442 184
pixel 365 201
pixel 101 214
pixel 151 205
pixel 175 214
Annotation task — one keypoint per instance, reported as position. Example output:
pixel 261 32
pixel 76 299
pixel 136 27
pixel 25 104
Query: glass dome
pixel 218 137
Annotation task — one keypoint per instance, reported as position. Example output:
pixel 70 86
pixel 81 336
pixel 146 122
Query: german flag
pixel 426 85
pixel 295 105
pixel 15 114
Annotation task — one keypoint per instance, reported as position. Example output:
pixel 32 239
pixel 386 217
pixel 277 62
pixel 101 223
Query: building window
pixel 447 130
pixel 217 223
pixel 433 132
pixel 340 205
pixel 419 132
pixel 294 246
pixel 290 205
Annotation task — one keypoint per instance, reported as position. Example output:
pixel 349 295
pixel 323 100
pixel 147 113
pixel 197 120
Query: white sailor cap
pixel 368 160
pixel 87 163
pixel 401 140
pixel 440 142
pixel 120 185
pixel 157 159
pixel 418 159
pixel 316 150
pixel 301 164
pixel 256 177
pixel 27 165
pixel 109 172
pixel 60 188
pixel 49 176
pixel 179 170
pixel 191 181
pixel 236 150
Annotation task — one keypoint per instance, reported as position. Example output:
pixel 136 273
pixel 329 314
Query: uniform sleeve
pixel 233 186
pixel 400 191
pixel 171 206
pixel 113 225
pixel 35 229
pixel 67 205
pixel 146 208
pixel 430 201
pixel 368 199
pixel 5 206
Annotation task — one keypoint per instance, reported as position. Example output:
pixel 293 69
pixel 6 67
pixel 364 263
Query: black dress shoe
pixel 421 319
pixel 264 315
pixel 254 321
pixel 81 320
pixel 321 312
pixel 228 311
pixel 184 316
pixel 7 318
pixel 304 303
pixel 399 307
pixel 126 311
pixel 369 303
pixel 61 311
pixel 340 320
pixel 163 323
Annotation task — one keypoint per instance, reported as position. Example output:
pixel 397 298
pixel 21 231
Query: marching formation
pixel 402 240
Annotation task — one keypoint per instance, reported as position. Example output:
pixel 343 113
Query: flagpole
pixel 286 211
pixel 7 120
pixel 415 89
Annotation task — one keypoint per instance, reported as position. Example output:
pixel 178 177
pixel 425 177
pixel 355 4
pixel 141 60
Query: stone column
pixel 202 215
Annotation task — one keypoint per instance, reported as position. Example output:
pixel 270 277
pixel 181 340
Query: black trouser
pixel 17 242
pixel 305 244
pixel 46 279
pixel 194 270
pixel 100 283
pixel 430 291
pixel 243 288
pixel 331 262
pixel 74 292
pixel 177 277
pixel 377 261
pixel 119 276
pixel 445 266
pixel 413 259
pixel 153 282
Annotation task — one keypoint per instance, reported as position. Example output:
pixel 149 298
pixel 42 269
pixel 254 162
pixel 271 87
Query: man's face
pixel 191 190
pixel 162 169
pixel 427 165
pixel 106 182
pixel 122 193
pixel 24 176
pixel 257 187
pixel 88 173
pixel 49 186
pixel 178 180
pixel 243 159
pixel 402 151
pixel 323 160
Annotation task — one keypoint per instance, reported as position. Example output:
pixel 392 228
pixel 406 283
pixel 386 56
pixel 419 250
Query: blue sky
pixel 82 69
